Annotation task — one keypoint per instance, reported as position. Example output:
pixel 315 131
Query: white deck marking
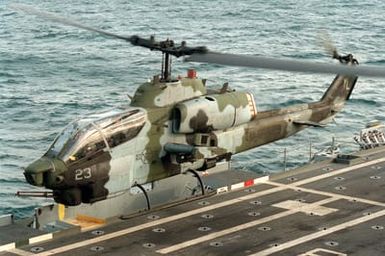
pixel 20 252
pixel 319 234
pixel 321 250
pixel 305 207
pixel 211 236
pixel 40 238
pixel 158 222
pixel 337 172
pixel 329 194
pixel 240 227
pixel 222 190
pixel 197 211
pixel 261 179
pixel 6 247
pixel 237 186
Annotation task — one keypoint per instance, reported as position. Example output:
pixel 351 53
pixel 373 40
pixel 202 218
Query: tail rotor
pixel 327 43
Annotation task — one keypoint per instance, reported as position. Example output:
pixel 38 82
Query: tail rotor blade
pixel 327 43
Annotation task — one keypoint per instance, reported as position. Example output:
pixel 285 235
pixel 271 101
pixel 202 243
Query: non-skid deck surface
pixel 330 209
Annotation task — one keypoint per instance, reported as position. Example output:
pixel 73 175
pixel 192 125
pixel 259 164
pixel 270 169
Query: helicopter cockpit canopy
pixel 97 132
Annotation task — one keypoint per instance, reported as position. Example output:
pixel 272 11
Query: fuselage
pixel 169 128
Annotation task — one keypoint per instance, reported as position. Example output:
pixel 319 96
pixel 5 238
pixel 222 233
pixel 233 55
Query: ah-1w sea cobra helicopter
pixel 175 125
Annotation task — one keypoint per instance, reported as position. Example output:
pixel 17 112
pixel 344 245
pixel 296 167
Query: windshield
pixel 63 138
pixel 87 136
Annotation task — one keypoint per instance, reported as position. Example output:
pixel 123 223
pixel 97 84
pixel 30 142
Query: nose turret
pixel 45 172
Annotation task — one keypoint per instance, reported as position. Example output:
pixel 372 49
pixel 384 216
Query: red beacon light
pixel 191 73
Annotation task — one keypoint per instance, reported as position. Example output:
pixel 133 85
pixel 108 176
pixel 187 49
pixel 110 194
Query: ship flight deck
pixel 334 207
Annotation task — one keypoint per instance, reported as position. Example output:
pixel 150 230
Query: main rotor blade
pixel 219 58
pixel 167 46
pixel 56 18
pixel 285 64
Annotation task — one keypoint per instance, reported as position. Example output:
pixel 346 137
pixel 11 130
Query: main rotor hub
pixel 168 46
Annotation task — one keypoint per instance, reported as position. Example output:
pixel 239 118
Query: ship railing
pixel 370 139
pixel 308 152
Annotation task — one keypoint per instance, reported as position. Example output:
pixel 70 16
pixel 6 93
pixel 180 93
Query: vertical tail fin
pixel 342 86
pixel 340 89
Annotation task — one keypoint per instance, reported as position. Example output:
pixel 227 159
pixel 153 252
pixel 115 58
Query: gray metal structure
pixel 335 207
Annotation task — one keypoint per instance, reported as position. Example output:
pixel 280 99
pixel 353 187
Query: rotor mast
pixel 166 60
pixel 166 67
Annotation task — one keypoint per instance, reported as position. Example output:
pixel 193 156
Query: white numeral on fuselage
pixel 81 174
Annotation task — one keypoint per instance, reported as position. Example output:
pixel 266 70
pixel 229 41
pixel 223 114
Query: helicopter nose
pixel 43 172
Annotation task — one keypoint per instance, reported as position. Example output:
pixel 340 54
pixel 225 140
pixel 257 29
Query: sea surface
pixel 51 74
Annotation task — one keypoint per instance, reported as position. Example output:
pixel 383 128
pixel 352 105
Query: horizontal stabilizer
pixel 308 123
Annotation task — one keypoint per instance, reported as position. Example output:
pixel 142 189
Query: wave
pixel 8 165
pixel 10 75
pixel 294 102
pixel 12 181
pixel 365 102
pixel 17 211
pixel 376 62
pixel 15 97
pixel 9 156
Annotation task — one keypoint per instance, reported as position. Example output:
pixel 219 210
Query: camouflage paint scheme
pixel 169 128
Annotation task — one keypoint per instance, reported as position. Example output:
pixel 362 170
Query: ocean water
pixel 51 74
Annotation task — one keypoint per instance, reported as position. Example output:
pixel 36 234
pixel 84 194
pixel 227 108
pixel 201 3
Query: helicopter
pixel 176 125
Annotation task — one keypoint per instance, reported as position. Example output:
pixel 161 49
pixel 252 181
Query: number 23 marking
pixel 81 174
